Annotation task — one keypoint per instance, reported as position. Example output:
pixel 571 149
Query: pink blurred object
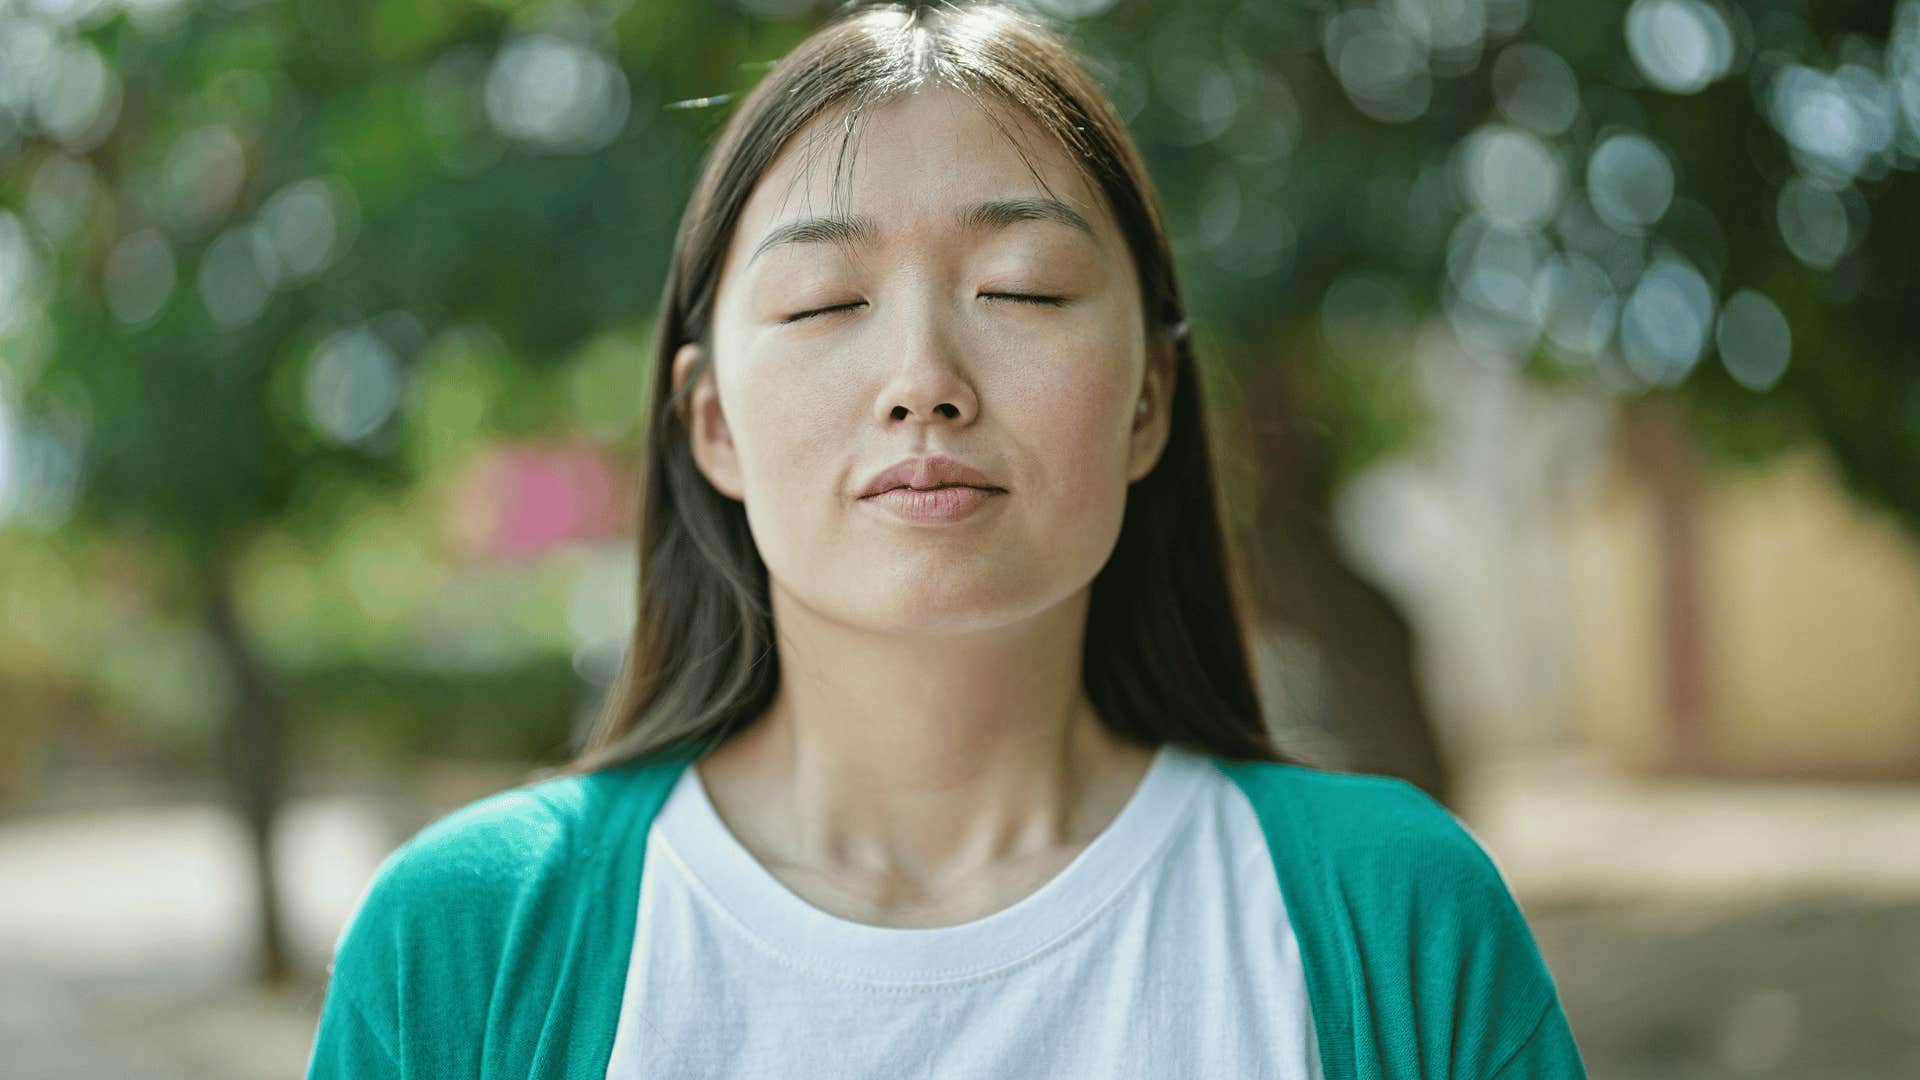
pixel 522 499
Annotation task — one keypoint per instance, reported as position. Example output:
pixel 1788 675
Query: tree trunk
pixel 1659 446
pixel 254 764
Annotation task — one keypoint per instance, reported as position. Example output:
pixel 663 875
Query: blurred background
pixel 1566 376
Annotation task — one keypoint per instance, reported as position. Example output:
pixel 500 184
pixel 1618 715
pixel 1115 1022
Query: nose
pixel 928 381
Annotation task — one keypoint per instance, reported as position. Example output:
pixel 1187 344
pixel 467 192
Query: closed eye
pixel 1024 298
pixel 822 311
pixel 1029 298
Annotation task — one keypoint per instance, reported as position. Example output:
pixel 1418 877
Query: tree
pixel 237 237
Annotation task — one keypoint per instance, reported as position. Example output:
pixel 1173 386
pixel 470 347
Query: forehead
pixel 909 168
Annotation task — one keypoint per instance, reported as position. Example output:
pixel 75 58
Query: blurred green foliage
pixel 275 273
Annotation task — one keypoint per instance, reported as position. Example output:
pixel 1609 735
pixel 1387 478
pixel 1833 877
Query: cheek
pixel 1073 449
pixel 791 434
pixel 1070 434
pixel 788 425
pixel 1072 421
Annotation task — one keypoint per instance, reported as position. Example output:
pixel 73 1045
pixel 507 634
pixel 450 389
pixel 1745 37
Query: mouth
pixel 936 487
pixel 941 504
pixel 926 474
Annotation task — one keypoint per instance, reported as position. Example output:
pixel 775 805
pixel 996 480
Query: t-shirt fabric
pixel 1161 951
pixel 608 925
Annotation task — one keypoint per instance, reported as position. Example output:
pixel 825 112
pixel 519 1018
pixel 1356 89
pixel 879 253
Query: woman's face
pixel 915 349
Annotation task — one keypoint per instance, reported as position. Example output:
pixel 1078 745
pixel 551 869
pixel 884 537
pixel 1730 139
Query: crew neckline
pixel 779 921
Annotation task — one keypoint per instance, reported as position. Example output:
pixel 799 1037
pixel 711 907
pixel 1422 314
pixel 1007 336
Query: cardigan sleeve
pixel 359 1018
pixel 1548 1054
pixel 1479 998
pixel 1419 961
pixel 414 989
pixel 347 1044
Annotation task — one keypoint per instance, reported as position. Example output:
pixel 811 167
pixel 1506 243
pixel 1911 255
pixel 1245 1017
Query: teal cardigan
pixel 495 942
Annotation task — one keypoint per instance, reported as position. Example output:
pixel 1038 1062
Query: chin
pixel 940 604
pixel 928 592
pixel 926 606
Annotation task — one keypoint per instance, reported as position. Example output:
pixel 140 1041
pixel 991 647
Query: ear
pixel 1153 426
pixel 706 422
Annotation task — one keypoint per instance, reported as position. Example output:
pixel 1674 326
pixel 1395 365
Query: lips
pixel 928 473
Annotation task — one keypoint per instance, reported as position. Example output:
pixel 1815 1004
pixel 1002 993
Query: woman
pixel 936 752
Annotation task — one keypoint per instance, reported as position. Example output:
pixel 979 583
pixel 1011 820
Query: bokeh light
pixel 1511 177
pixel 1381 66
pixel 1754 340
pixel 1582 304
pixel 1681 46
pixel 139 276
pixel 1449 31
pixel 563 96
pixel 310 224
pixel 64 191
pixel 1813 222
pixel 1534 88
pixel 22 274
pixel 1665 321
pixel 1836 123
pixel 238 273
pixel 1493 299
pixel 77 97
pixel 353 384
pixel 1629 180
pixel 201 179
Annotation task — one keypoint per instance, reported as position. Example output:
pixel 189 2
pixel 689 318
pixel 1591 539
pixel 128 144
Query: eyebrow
pixel 988 216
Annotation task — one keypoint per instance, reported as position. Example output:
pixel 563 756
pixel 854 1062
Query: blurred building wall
pixel 1810 628
pixel 1534 550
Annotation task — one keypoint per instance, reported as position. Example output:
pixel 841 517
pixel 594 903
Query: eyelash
pixel 1027 298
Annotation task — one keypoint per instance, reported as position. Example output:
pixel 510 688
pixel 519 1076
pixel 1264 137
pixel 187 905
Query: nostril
pixel 946 409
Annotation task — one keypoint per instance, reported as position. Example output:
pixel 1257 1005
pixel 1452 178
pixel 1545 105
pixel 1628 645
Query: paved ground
pixel 1803 989
pixel 1695 930
pixel 1717 929
pixel 123 949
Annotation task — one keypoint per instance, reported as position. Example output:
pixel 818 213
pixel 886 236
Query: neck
pixel 924 760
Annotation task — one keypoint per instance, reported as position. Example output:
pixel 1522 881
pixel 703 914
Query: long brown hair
pixel 1165 652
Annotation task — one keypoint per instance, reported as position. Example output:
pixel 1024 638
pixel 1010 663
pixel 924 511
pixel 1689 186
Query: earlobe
pixel 1152 423
pixel 705 421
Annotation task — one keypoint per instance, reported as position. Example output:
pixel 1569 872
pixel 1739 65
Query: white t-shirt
pixel 1162 951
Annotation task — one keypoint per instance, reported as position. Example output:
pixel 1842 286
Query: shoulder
pixel 462 871
pixel 481 920
pixel 525 834
pixel 1399 902
pixel 1360 827
pixel 1388 854
pixel 497 858
pixel 427 935
pixel 494 840
pixel 537 834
